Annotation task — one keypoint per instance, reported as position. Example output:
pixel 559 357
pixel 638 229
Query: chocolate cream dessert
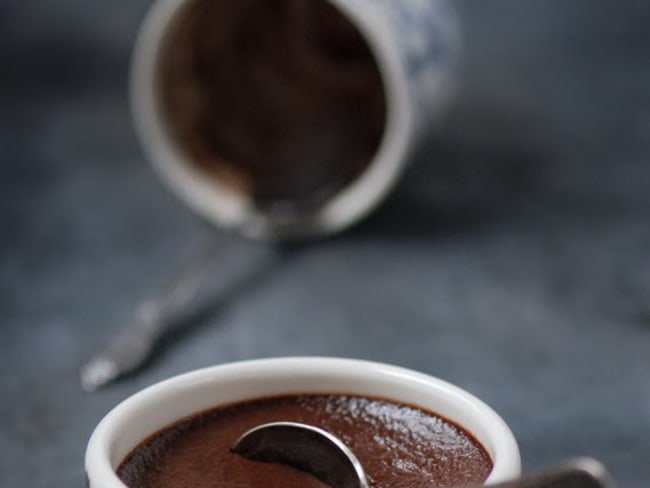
pixel 399 446
pixel 281 100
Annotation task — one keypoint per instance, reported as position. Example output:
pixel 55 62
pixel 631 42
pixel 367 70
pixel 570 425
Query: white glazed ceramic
pixel 415 43
pixel 160 405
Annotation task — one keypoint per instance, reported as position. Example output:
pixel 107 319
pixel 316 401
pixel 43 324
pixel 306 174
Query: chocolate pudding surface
pixel 399 446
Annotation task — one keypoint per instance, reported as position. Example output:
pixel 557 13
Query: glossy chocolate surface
pixel 399 446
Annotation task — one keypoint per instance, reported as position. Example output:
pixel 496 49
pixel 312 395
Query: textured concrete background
pixel 513 260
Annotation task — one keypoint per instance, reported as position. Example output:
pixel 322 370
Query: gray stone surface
pixel 513 260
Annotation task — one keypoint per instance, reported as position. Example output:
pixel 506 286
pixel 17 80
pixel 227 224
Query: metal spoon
pixel 221 267
pixel 322 454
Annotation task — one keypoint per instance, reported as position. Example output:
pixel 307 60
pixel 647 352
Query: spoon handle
pixel 221 267
pixel 575 473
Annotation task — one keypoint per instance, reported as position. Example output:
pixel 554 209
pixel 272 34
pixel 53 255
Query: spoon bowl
pixel 304 447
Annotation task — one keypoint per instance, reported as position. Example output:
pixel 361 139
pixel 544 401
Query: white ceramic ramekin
pixel 415 43
pixel 155 407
